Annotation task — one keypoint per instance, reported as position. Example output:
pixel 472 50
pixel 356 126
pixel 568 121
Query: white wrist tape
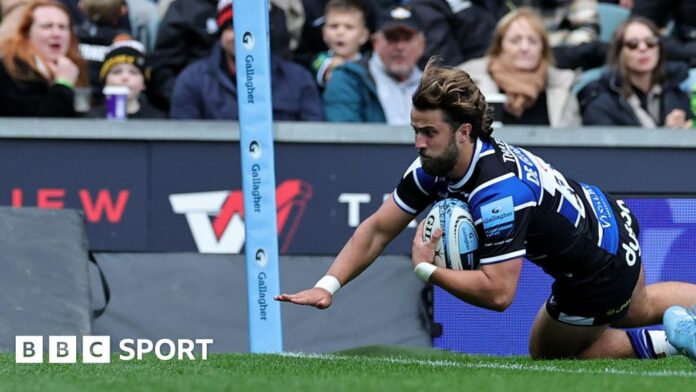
pixel 423 271
pixel 329 283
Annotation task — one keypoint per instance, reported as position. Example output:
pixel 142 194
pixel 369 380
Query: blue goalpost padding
pixel 252 54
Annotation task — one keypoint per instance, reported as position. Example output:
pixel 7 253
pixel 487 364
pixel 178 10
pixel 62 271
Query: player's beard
pixel 443 164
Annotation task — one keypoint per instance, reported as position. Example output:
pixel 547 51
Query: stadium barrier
pixel 44 284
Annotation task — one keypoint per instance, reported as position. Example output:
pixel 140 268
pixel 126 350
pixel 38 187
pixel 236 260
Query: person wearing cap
pixel 379 88
pixel 125 65
pixel 207 89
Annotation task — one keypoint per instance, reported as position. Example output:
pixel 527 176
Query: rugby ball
pixel 455 249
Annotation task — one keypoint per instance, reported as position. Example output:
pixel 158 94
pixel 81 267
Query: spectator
pixel 640 89
pixel 520 65
pixel 573 28
pixel 144 21
pixel 41 64
pixel 187 32
pixel 379 88
pixel 98 31
pixel 312 42
pixel 207 89
pixel 77 16
pixel 345 32
pixel 679 44
pixel 141 21
pixel 10 10
pixel 294 20
pixel 456 31
pixel 125 65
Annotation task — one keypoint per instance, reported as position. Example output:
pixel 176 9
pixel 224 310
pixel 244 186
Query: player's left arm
pixel 493 286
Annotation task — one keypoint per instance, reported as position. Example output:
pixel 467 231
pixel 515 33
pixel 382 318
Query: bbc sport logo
pixel 97 349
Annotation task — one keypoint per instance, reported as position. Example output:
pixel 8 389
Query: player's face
pixel 640 51
pixel 345 32
pixel 522 46
pixel 435 141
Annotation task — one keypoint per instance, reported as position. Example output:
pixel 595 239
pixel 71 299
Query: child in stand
pixel 125 65
pixel 345 32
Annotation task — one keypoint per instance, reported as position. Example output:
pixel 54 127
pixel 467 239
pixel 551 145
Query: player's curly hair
pixel 453 91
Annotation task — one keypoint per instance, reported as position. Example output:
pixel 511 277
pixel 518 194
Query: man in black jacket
pixel 187 33
pixel 455 30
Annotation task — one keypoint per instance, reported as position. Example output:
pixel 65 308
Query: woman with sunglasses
pixel 640 88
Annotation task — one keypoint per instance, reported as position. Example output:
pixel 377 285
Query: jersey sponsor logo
pixel 632 249
pixel 603 211
pixel 498 217
pixel 608 230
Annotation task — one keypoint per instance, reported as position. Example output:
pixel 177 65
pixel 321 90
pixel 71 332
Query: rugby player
pixel 585 239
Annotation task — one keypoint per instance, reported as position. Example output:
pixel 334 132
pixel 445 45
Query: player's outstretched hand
pixel 316 296
pixel 422 250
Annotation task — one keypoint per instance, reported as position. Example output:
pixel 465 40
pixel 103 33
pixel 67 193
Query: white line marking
pixel 496 366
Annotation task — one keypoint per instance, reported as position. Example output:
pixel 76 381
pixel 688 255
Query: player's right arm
pixel 493 286
pixel 367 242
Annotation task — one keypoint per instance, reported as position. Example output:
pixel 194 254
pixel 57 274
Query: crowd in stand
pixel 352 60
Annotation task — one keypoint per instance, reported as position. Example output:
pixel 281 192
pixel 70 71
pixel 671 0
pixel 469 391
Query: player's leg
pixel 649 302
pixel 651 305
pixel 575 320
pixel 551 338
pixel 554 339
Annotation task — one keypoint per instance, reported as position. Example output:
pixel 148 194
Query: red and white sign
pixel 216 218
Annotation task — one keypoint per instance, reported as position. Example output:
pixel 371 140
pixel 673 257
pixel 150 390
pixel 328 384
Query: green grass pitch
pixel 375 368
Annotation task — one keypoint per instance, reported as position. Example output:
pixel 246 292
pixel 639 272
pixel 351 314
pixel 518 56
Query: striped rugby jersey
pixel 522 207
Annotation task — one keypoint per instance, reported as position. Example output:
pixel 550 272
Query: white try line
pixel 494 366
